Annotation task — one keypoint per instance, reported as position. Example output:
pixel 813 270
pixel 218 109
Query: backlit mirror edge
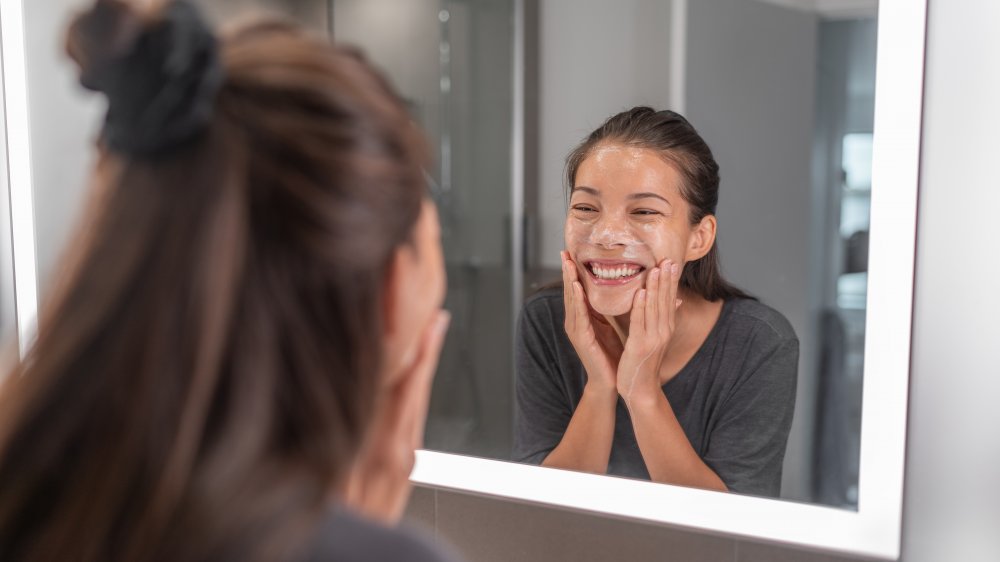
pixel 22 220
pixel 873 530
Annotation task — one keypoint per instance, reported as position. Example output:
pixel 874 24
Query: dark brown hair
pixel 673 137
pixel 205 370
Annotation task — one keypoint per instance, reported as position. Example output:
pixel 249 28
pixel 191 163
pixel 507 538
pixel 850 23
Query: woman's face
pixel 424 281
pixel 626 215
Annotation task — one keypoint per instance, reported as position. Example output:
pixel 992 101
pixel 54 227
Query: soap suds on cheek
pixel 661 243
pixel 575 234
pixel 632 252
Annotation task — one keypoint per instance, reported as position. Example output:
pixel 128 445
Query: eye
pixel 646 212
pixel 584 208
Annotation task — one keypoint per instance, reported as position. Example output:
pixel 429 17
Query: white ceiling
pixel 831 9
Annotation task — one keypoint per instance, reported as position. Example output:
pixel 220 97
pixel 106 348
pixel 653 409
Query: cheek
pixel 575 234
pixel 663 241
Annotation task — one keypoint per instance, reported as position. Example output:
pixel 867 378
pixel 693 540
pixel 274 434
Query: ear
pixel 702 238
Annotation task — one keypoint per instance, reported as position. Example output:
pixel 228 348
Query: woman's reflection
pixel 646 363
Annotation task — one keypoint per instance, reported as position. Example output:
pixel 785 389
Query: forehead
pixel 616 169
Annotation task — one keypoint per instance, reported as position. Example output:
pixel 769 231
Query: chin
pixel 608 301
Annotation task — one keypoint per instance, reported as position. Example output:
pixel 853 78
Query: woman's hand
pixel 651 326
pixel 379 482
pixel 593 337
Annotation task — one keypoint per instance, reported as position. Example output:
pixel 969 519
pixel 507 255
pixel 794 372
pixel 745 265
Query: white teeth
pixel 614 272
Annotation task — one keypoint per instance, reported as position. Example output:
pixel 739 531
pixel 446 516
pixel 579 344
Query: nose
pixel 611 231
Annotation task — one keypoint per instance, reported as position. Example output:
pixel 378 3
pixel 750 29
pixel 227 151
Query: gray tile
pixel 759 552
pixel 486 530
pixel 420 510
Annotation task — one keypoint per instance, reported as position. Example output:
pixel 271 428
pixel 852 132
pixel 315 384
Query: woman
pixel 646 363
pixel 236 363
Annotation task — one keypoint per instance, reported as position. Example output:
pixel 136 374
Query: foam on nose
pixel 607 234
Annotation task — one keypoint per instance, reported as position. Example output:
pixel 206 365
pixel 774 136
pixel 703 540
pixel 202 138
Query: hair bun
pixel 100 36
pixel 160 73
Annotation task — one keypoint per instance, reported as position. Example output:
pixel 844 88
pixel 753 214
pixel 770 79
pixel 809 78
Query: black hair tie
pixel 161 92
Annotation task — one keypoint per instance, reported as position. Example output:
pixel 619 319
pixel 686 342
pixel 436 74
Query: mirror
pixel 784 94
pixel 816 213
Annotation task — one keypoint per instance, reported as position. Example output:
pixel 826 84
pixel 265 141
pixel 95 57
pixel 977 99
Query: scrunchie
pixel 162 90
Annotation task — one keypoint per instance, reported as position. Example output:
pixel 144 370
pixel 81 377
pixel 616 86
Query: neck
pixel 692 303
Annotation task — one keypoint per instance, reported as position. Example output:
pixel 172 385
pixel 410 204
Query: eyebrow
pixel 642 195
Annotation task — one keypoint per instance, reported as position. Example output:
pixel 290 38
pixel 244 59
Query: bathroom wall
pixel 588 70
pixel 750 90
pixel 64 121
pixel 951 509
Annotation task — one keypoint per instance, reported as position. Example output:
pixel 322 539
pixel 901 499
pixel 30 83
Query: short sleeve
pixel 746 447
pixel 542 411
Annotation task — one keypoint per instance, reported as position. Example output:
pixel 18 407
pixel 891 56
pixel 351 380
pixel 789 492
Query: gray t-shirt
pixel 346 537
pixel 734 398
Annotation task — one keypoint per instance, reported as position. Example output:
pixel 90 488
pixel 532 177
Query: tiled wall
pixel 489 530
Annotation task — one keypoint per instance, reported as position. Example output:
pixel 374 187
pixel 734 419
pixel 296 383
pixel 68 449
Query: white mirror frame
pixel 873 530
pixel 19 181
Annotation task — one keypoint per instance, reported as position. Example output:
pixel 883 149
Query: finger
pixel 671 302
pixel 637 320
pixel 666 283
pixel 570 308
pixel 433 343
pixel 580 311
pixel 653 285
pixel 412 397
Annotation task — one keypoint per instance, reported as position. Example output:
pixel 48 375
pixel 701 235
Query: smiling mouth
pixel 613 273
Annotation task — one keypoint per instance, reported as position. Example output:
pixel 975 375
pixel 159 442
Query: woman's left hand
pixel 651 327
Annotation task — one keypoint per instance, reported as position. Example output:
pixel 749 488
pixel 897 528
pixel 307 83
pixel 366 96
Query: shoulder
pixel 346 537
pixel 543 313
pixel 761 321
pixel 547 302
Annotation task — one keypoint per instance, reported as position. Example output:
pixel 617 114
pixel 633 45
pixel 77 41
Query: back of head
pixel 205 368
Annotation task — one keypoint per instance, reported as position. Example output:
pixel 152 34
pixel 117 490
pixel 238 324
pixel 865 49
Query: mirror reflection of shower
pixel 451 60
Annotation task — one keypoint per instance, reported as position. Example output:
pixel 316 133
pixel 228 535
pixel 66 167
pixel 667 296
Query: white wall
pixel 595 59
pixel 952 500
pixel 64 121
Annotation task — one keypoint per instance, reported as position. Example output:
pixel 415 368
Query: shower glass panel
pixel 452 62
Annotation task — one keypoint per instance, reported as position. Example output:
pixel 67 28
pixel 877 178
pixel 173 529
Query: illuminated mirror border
pixel 18 172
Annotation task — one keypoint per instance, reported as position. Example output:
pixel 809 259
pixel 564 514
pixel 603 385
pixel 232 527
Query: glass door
pixel 452 61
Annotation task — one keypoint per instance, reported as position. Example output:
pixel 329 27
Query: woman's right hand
pixel 378 485
pixel 592 336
